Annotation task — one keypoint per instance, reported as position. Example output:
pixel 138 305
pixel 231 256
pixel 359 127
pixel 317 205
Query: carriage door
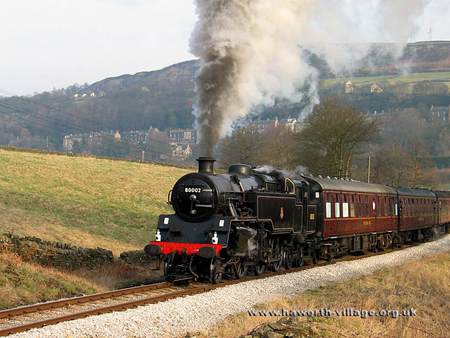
pixel 311 223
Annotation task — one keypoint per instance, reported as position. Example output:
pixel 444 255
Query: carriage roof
pixel 443 194
pixel 416 192
pixel 350 186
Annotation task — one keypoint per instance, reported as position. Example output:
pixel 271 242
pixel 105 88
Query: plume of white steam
pixel 344 30
pixel 250 50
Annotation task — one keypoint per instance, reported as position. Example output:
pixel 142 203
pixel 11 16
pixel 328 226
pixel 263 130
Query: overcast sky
pixel 49 44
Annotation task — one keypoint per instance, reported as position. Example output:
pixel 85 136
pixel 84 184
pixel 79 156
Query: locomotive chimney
pixel 206 165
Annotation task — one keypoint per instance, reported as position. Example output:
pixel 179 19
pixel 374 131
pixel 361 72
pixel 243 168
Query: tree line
pixel 337 141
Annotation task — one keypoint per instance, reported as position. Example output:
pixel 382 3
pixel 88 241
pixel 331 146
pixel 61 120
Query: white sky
pixel 49 44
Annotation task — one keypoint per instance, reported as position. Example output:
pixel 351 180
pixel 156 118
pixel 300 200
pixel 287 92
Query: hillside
pixel 84 201
pixel 163 98
pixel 409 79
pixel 418 57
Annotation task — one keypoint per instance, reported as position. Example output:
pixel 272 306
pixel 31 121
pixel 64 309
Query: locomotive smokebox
pixel 206 165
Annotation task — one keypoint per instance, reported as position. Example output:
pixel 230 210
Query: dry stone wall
pixel 55 254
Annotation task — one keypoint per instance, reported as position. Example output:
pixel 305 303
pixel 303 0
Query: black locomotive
pixel 250 219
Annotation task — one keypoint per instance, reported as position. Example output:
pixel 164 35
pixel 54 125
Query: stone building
pixel 295 125
pixel 440 113
pixel 349 88
pixel 135 137
pixel 182 135
pixel 71 141
pixel 376 88
pixel 181 151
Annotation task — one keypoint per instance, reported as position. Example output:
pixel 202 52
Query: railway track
pixel 39 315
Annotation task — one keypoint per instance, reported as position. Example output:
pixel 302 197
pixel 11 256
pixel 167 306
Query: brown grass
pixel 24 283
pixel 119 274
pixel 423 285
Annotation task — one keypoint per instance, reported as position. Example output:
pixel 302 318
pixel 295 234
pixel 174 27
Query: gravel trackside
pixel 203 311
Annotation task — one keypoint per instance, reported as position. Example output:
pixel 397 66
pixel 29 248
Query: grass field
pixel 392 79
pixel 23 283
pixel 422 285
pixel 84 201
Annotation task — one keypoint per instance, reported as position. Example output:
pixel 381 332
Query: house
pixel 71 141
pixel 376 88
pixel 117 136
pixel 440 113
pixel 182 135
pixel 135 137
pixel 349 88
pixel 181 151
pixel 262 125
pixel 292 124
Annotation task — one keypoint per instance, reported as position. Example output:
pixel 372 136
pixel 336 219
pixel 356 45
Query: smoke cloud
pixel 250 50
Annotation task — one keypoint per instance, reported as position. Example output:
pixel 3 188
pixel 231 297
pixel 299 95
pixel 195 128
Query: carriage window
pixel 345 209
pixel 396 209
pixel 327 198
pixel 337 209
pixel 328 210
pixel 352 207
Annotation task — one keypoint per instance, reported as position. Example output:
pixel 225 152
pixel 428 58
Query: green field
pixel 392 79
pixel 84 201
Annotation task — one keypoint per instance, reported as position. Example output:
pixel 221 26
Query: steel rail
pixel 106 309
pixel 80 300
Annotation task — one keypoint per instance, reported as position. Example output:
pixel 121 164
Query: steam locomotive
pixel 252 220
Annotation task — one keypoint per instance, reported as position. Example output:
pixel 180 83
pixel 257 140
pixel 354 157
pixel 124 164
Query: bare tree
pixel 278 147
pixel 242 146
pixel 404 155
pixel 333 134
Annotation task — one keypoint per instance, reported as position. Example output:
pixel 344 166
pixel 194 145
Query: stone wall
pixel 55 254
pixel 136 257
